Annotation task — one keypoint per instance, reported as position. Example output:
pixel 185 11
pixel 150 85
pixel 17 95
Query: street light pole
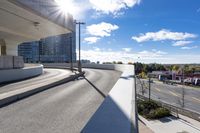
pixel 71 53
pixel 39 50
pixel 79 62
pixel 149 88
pixel 183 89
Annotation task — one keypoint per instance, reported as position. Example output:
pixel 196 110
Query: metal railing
pixel 175 110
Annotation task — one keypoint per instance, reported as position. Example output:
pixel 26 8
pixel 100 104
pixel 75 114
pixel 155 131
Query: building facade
pixel 29 51
pixel 55 49
pixel 30 20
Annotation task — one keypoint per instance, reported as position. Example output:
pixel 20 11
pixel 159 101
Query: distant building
pixel 85 61
pixel 29 51
pixel 51 49
pixel 161 75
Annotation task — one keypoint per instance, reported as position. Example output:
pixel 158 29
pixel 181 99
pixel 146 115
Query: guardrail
pixel 174 109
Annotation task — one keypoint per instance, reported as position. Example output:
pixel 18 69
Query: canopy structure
pixel 29 20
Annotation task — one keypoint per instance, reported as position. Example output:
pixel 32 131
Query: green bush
pixel 158 113
pixel 161 112
pixel 145 106
pixel 151 110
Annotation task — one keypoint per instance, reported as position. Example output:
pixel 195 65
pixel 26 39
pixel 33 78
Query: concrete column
pixel 11 48
pixel 2 47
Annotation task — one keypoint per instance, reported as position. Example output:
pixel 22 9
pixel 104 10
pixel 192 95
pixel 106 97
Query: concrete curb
pixel 10 97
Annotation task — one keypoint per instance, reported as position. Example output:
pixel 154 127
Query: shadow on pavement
pixel 109 118
pixel 167 119
pixel 98 90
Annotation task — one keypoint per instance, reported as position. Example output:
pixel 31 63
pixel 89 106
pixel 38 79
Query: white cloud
pixel 112 6
pixel 98 31
pixel 143 56
pixel 97 49
pixel 188 48
pixel 181 43
pixel 102 29
pixel 153 53
pixel 91 40
pixel 163 35
pixel 127 49
pixel 101 55
pixel 80 8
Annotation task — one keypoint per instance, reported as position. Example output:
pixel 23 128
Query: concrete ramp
pixel 117 114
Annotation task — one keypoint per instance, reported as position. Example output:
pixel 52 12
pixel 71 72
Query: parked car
pixel 197 82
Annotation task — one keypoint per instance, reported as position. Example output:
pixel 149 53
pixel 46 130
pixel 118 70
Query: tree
pixel 119 62
pixel 169 67
pixel 114 62
pixel 175 68
pixel 130 63
pixel 138 67
pixel 186 69
pixel 143 75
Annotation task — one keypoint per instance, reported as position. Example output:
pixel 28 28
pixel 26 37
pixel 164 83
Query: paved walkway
pixel 49 76
pixel 143 128
pixel 15 91
pixel 171 125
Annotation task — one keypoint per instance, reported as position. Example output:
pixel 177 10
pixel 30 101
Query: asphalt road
pixel 62 109
pixel 173 94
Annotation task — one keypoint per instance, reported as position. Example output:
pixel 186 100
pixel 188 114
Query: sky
pixel 148 31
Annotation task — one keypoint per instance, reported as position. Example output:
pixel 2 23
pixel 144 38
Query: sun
pixel 66 6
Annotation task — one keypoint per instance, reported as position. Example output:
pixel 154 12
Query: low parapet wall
pixel 118 67
pixel 9 75
pixel 117 114
pixel 11 62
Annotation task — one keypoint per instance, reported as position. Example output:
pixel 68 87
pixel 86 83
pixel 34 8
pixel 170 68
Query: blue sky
pixel 161 31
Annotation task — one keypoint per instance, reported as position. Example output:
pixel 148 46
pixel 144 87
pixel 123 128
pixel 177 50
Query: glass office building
pixel 29 51
pixel 56 49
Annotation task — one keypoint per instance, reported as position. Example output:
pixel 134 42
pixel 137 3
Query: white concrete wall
pixel 117 112
pixel 19 74
pixel 11 62
pixel 11 47
pixel 118 67
pixel 6 62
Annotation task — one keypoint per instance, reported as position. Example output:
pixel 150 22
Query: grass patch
pixel 151 110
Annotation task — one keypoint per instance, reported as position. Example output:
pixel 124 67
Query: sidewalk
pixel 15 91
pixel 171 125
pixel 143 128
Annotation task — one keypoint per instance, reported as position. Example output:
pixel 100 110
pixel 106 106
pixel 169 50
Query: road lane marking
pixel 157 89
pixel 173 93
pixel 196 99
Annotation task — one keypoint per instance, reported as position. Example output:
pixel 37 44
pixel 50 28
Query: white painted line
pixel 157 89
pixel 173 93
pixel 196 99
